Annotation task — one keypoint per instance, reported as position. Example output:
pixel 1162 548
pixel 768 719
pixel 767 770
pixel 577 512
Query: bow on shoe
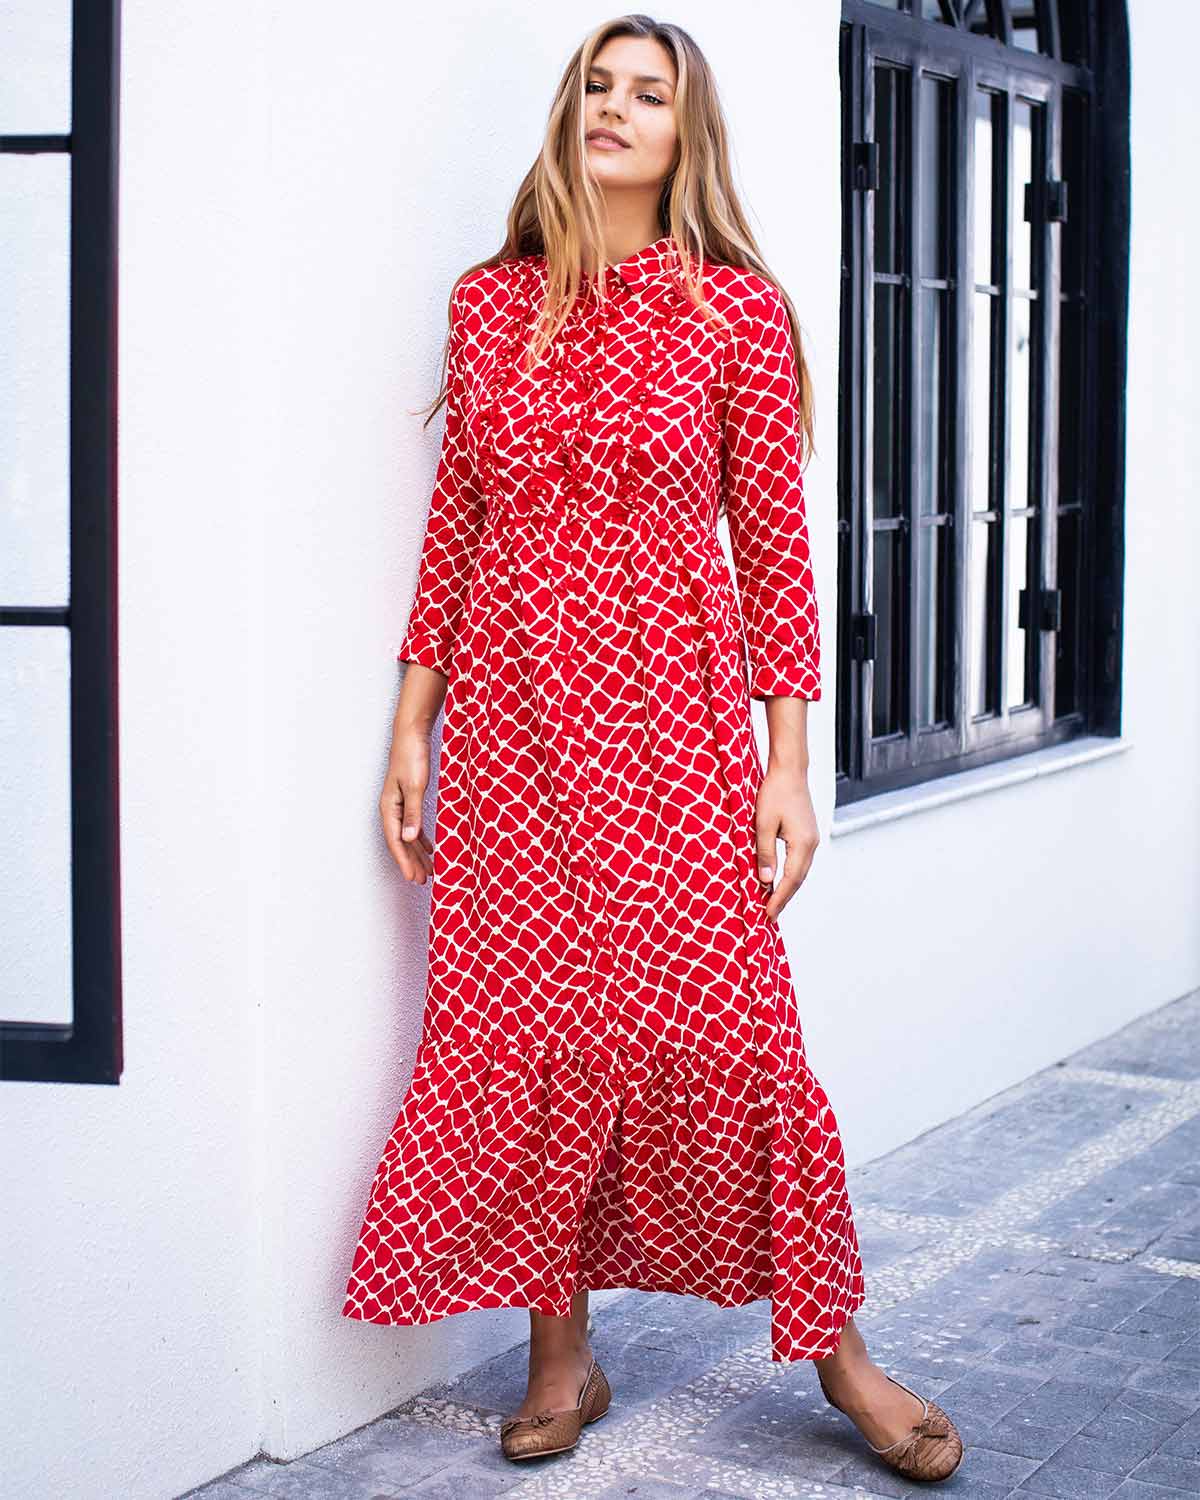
pixel 934 1424
pixel 539 1419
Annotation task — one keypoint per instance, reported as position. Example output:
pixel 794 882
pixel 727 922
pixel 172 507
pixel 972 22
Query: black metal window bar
pixel 985 221
pixel 61 1003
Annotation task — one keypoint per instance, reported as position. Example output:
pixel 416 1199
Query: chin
pixel 610 172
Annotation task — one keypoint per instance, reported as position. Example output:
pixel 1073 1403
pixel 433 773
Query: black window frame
pixel 88 1049
pixel 875 36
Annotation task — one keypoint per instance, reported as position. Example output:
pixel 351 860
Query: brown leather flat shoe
pixel 556 1431
pixel 931 1451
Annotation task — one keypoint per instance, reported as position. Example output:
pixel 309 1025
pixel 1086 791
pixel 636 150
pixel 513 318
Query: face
pixel 630 91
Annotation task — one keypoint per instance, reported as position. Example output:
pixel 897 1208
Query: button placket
pixel 570 391
pixel 565 538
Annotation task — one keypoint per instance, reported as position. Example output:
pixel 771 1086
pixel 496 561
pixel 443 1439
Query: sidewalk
pixel 1035 1264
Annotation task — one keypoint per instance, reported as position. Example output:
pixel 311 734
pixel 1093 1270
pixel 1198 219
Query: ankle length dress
pixel 610 1087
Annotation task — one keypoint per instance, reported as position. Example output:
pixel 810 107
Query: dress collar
pixel 653 261
pixel 659 258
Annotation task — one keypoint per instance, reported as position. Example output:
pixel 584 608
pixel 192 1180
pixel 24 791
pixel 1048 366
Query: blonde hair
pixel 558 208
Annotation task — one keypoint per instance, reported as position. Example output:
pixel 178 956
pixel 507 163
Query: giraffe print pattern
pixel 611 1087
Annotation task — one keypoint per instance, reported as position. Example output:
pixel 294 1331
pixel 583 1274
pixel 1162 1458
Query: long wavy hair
pixel 558 210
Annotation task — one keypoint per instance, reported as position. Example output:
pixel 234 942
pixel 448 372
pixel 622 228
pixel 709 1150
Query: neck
pixel 629 227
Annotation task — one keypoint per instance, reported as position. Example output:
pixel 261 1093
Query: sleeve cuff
pixel 784 675
pixel 426 653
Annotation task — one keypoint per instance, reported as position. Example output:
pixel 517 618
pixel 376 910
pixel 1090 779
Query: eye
pixel 596 84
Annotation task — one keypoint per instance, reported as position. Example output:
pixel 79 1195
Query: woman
pixel 611 1088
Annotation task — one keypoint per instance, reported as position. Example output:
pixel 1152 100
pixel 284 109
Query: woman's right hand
pixel 402 800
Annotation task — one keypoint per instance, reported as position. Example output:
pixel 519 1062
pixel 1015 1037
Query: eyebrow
pixel 637 77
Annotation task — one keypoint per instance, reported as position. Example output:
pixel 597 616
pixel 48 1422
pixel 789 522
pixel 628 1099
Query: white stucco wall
pixel 298 191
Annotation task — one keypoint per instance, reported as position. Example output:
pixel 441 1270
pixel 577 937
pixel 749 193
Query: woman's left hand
pixel 784 811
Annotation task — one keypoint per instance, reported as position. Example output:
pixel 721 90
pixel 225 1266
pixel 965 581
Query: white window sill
pixel 888 806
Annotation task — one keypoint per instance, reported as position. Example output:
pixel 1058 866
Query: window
pixel 985 214
pixel 59 949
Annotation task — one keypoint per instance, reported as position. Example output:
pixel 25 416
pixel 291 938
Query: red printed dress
pixel 611 1087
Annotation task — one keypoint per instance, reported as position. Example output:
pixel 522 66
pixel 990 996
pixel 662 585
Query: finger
pixel 766 837
pixel 422 849
pixel 788 881
pixel 414 797
pixel 418 863
pixel 414 862
pixel 391 814
pixel 799 858
pixel 411 857
pixel 408 865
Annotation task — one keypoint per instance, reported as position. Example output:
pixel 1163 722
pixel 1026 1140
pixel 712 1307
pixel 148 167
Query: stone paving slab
pixel 1034 1264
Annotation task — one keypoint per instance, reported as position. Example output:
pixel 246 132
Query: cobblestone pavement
pixel 1035 1264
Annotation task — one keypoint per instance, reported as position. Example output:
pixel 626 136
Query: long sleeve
pixel 764 503
pixel 452 530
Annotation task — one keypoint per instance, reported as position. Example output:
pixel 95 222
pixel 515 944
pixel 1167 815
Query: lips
pixel 606 137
